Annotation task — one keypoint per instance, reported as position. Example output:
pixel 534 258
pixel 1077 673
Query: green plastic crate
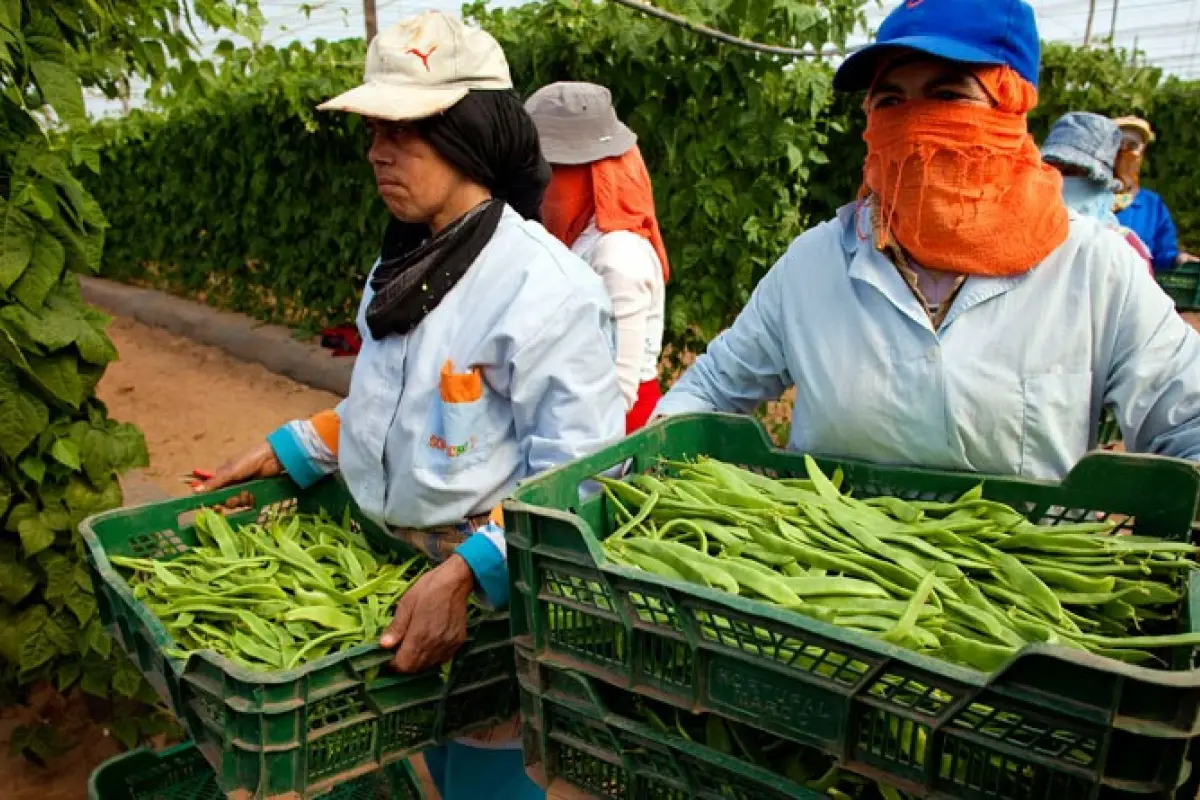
pixel 181 773
pixel 1065 722
pixel 295 732
pixel 570 732
pixel 1183 286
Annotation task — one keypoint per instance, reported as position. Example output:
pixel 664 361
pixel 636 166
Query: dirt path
pixel 197 405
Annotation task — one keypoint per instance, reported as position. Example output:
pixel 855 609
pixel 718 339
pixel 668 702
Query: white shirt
pixel 633 276
pixel 537 324
pixel 1013 381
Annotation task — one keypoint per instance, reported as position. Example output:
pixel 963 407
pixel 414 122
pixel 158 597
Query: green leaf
pixel 80 497
pixel 98 638
pixel 10 384
pixel 36 536
pixel 36 650
pixel 58 374
pixel 127 447
pixel 82 579
pixel 61 89
pixel 59 570
pixel 96 679
pixel 20 513
pixel 17 234
pixel 54 516
pixel 94 346
pixel 6 496
pixel 16 579
pixel 52 329
pixel 95 456
pixel 58 630
pixel 66 452
pixel 22 418
pixel 82 605
pixel 10 14
pixel 127 680
pixel 124 729
pixel 66 675
pixel 45 266
pixel 33 466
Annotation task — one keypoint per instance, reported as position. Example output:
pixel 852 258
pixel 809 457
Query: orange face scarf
pixel 963 188
pixel 614 191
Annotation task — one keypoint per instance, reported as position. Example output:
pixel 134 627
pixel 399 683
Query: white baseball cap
pixel 422 66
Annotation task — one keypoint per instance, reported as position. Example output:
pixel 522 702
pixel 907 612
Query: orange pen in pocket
pixel 460 387
pixel 461 411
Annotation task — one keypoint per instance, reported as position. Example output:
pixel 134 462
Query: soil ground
pixel 197 405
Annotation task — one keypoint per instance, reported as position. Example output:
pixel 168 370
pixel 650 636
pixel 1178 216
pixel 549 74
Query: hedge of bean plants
pixel 258 203
pixel 60 453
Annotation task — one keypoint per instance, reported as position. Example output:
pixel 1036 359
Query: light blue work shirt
pixel 1012 382
pixel 537 323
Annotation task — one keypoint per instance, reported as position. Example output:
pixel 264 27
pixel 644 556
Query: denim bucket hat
pixel 1087 141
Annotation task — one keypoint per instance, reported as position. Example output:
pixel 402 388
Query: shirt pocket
pixel 463 426
pixel 1055 430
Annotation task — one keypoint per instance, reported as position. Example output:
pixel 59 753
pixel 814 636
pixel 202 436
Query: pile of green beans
pixel 272 596
pixel 969 582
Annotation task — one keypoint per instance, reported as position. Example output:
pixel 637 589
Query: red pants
pixel 648 396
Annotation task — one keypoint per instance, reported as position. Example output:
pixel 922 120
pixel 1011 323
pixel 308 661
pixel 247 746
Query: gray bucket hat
pixel 576 123
pixel 1087 141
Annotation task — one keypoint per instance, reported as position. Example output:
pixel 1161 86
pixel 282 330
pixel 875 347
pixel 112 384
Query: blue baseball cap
pixel 990 32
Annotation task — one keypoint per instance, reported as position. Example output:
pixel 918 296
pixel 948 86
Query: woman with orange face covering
pixel 601 205
pixel 957 315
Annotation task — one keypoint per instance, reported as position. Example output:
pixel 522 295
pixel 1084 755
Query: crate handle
pixel 563 486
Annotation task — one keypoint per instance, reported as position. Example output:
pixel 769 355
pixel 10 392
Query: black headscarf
pixel 490 138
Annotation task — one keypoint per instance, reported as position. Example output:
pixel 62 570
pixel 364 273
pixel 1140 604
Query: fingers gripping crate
pixel 181 773
pixel 1051 720
pixel 299 732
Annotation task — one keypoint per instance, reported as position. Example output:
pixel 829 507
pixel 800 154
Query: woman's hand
pixel 431 618
pixel 258 462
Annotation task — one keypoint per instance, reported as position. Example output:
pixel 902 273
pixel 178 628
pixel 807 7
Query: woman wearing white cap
pixel 488 350
pixel 601 205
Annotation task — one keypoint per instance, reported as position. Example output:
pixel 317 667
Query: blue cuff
pixel 294 457
pixel 489 566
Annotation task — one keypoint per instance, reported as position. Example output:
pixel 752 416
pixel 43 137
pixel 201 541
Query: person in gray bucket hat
pixel 1083 147
pixel 601 205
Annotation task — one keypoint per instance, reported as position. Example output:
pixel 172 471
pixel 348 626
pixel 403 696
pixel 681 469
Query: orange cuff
pixel 328 426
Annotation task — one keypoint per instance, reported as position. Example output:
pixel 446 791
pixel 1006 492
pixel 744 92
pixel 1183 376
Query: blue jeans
pixel 462 772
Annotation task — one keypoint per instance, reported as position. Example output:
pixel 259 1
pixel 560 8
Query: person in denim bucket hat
pixel 1083 147
pixel 956 315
